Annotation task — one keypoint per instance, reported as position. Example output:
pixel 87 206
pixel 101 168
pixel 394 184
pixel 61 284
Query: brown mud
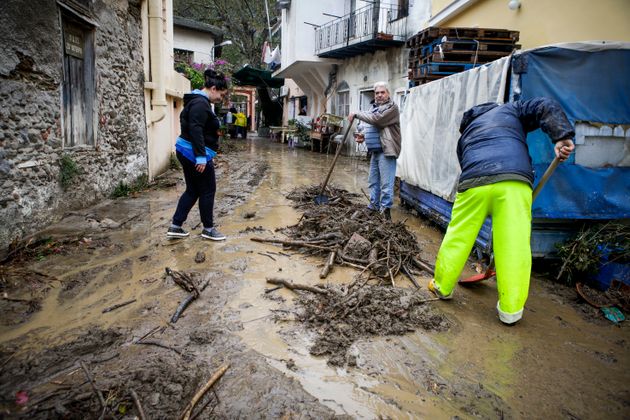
pixel 345 314
pixel 562 361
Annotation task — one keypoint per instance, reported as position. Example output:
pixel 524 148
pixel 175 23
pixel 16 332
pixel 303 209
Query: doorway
pixel 78 82
pixel 366 97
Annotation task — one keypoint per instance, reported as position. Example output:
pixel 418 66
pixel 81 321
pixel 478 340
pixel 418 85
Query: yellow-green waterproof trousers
pixel 509 203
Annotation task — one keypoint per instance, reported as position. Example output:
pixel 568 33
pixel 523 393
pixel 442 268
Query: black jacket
pixel 199 124
pixel 493 140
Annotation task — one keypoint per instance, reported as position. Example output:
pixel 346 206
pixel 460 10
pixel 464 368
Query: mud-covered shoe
pixel 212 234
pixel 433 289
pixel 387 214
pixel 176 232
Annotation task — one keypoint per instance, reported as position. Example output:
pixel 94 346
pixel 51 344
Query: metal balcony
pixel 369 28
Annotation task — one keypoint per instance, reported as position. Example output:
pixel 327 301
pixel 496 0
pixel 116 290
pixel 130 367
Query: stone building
pixel 78 105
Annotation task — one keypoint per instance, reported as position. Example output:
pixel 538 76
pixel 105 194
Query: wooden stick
pixel 267 255
pixel 338 151
pixel 257 319
pixel 428 300
pixel 158 344
pixel 349 264
pixel 423 265
pixel 150 333
pixel 295 286
pixel 273 289
pixel 389 270
pixel 407 273
pixel 327 236
pixel 352 259
pixel 203 407
pixel 29 301
pixel 328 265
pixel 188 410
pixel 184 304
pixel 136 402
pixel 290 243
pixel 96 390
pixel 378 269
pixel 120 305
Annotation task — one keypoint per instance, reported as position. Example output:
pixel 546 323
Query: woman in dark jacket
pixel 195 148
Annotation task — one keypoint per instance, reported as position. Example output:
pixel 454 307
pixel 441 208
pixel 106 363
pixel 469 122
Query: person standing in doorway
pixel 241 124
pixel 231 126
pixel 496 180
pixel 195 148
pixel 380 128
pixel 229 120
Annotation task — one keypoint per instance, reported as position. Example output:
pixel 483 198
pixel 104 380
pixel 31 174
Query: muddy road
pixel 561 361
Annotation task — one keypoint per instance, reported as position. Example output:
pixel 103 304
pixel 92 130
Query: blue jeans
pixel 381 181
pixel 199 186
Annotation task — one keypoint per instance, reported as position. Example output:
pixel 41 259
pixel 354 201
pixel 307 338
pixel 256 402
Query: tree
pixel 244 22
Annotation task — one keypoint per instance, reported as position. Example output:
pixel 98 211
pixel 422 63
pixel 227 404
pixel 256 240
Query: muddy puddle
pixel 557 363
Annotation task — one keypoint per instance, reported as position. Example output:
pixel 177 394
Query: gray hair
pixel 383 85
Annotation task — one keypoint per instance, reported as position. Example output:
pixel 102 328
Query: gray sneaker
pixel 212 234
pixel 174 232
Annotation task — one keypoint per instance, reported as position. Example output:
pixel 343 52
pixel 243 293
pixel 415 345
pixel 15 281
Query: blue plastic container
pixel 609 271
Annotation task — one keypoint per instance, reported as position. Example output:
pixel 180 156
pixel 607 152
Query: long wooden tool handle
pixel 332 166
pixel 552 167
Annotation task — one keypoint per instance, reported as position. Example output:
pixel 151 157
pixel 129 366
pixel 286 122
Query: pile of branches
pixel 595 246
pixel 347 233
pixel 305 196
pixel 342 314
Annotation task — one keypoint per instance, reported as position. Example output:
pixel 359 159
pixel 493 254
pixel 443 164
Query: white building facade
pixel 336 50
pixel 194 42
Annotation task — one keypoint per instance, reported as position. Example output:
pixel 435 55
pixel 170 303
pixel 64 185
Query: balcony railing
pixel 371 27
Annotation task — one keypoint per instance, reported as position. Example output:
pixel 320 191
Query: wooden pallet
pixel 416 81
pixel 419 73
pixel 467 45
pixel 449 68
pixel 462 57
pixel 428 35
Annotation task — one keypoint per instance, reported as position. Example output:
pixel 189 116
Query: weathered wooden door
pixel 78 83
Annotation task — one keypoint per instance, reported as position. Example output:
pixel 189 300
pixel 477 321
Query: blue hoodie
pixel 493 140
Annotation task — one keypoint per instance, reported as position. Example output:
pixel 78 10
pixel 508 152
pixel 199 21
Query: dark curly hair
pixel 216 79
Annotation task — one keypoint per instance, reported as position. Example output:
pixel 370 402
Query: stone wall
pixel 31 134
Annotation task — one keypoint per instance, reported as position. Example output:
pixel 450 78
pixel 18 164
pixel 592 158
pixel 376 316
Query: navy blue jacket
pixel 493 137
pixel 199 124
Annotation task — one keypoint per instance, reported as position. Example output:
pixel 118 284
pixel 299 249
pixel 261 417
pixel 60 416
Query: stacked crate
pixel 439 52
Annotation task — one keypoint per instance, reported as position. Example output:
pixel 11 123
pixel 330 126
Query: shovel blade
pixel 478 277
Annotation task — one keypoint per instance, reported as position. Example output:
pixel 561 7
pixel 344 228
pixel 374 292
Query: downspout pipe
pixel 156 53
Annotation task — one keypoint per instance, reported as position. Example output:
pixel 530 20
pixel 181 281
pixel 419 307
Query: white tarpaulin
pixel 430 125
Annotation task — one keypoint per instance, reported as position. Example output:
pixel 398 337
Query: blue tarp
pixel 591 86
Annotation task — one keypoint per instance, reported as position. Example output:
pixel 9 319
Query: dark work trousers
pixel 199 186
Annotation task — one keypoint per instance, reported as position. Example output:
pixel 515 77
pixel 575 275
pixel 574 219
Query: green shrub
pixel 194 72
pixel 121 190
pixel 141 183
pixel 69 169
pixel 174 163
pixel 124 190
